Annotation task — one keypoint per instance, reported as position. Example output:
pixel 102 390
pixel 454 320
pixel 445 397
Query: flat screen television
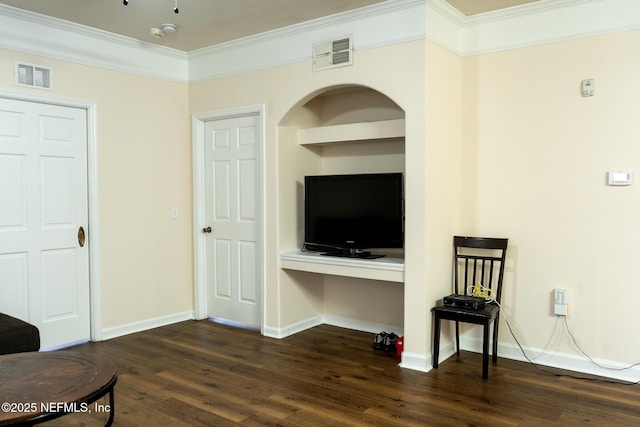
pixel 345 214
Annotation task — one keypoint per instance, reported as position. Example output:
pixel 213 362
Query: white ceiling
pixel 203 23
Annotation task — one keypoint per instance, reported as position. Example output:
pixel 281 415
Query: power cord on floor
pixel 478 290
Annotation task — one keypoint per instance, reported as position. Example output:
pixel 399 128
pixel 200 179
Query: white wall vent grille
pixel 332 53
pixel 33 76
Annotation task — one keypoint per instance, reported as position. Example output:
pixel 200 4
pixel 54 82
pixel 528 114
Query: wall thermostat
pixel 619 178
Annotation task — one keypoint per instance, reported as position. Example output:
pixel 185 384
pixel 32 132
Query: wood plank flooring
pixel 199 373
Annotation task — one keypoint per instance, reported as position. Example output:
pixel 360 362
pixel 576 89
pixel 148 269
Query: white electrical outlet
pixel 560 302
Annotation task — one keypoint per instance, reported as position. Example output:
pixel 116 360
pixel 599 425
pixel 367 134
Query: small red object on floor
pixel 399 345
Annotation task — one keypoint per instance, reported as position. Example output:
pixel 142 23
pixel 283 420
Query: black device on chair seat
pixel 464 301
pixel 478 261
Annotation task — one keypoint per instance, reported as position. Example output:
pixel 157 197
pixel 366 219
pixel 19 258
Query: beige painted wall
pixel 537 154
pixel 144 170
pixel 442 166
pixel 497 144
pixel 399 73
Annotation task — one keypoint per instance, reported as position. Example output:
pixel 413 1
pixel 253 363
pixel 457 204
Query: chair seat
pixel 469 315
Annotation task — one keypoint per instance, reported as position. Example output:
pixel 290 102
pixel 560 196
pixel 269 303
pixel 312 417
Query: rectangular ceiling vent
pixel 332 53
pixel 33 76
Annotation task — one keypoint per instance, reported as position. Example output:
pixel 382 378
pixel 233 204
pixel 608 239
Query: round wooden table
pixel 36 387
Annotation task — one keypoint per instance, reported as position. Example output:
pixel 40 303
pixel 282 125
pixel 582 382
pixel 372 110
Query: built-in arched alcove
pixel 337 130
pixel 340 105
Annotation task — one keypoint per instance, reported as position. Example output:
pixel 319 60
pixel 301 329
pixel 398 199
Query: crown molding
pixel 542 22
pixel 51 22
pixel 444 25
pixel 352 16
pixel 545 21
pixel 37 34
pixel 402 20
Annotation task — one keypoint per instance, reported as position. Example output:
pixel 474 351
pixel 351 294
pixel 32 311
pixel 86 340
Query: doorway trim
pixel 91 108
pixel 199 208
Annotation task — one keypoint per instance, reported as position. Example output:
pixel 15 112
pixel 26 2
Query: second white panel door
pixel 232 215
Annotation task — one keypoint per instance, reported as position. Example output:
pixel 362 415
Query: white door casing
pixel 44 273
pixel 232 208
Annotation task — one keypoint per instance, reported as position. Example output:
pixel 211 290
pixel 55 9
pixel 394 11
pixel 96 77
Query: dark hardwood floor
pixel 200 373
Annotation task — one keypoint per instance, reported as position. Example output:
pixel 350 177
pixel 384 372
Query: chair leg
pixel 436 341
pixel 457 339
pixel 495 339
pixel 485 351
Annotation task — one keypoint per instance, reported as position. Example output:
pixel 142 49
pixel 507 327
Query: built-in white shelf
pixel 387 268
pixel 363 131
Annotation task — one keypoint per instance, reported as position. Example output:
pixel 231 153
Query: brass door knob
pixel 81 236
pixel 206 230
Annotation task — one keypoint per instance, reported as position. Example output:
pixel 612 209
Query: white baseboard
pixel 341 322
pixel 293 328
pixel 416 361
pixel 423 362
pixel 143 325
pixel 565 361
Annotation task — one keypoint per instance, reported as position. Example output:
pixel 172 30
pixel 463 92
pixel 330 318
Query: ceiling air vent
pixel 332 53
pixel 32 75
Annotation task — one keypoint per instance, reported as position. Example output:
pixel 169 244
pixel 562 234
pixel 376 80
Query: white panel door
pixel 44 273
pixel 232 200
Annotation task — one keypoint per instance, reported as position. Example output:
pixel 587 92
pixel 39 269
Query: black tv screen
pixel 354 211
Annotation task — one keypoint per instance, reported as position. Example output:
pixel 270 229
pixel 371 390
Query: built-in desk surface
pixel 387 268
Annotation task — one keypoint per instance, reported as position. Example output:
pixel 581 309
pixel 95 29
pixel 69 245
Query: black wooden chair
pixel 477 261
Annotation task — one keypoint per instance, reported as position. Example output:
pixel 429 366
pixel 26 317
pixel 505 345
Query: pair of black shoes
pixel 385 341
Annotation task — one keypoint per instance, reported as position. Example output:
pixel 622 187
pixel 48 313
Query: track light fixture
pixel 175 8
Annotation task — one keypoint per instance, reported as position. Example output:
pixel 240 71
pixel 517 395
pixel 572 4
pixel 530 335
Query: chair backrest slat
pixel 480 262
